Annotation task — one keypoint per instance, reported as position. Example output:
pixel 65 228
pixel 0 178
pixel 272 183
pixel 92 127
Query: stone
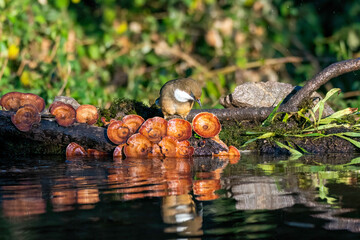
pixel 265 94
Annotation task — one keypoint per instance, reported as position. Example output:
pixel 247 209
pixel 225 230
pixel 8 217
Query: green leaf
pixel 356 143
pixel 354 161
pixel 291 150
pixel 328 95
pixel 269 119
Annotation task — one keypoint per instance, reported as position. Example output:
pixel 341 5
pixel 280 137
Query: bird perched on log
pixel 177 97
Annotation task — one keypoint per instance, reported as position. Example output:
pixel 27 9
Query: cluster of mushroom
pixel 157 137
pixel 154 137
pixel 27 106
pixel 66 114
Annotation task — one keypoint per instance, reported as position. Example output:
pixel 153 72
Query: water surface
pixel 258 197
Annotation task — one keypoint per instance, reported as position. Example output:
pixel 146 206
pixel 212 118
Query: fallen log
pixel 49 138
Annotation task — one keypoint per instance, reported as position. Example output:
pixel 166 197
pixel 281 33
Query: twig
pixel 66 78
pixel 292 105
pixel 3 68
pixel 332 71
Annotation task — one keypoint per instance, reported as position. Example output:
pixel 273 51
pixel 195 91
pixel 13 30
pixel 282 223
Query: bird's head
pixel 187 90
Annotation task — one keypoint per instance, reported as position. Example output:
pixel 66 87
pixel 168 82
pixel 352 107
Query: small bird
pixel 177 97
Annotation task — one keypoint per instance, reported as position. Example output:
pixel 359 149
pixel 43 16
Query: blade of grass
pixel 291 150
pixel 269 119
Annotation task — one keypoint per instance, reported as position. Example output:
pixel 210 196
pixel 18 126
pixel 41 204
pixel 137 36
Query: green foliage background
pixel 98 50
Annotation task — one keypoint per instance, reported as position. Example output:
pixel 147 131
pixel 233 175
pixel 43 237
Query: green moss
pixel 121 107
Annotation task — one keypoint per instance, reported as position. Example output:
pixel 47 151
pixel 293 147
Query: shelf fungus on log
pixel 12 101
pixel 138 146
pixel 87 114
pixel 119 151
pixel 154 129
pixel 206 125
pixel 133 122
pixel 155 151
pixel 33 99
pixel 179 129
pixel 64 113
pixel 118 132
pixel 75 150
pixel 26 117
pixel 171 147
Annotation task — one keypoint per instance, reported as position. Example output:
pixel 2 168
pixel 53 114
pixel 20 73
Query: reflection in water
pixel 180 197
pixel 22 200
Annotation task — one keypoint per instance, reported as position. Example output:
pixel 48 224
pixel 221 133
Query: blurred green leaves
pixel 115 48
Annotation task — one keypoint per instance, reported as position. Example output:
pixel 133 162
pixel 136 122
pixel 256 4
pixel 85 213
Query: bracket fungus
pixel 118 151
pixel 26 117
pixel 168 146
pixel 75 150
pixel 184 149
pixel 87 114
pixel 138 146
pixel 154 129
pixel 133 122
pixel 206 125
pixel 171 147
pixel 12 101
pixel 64 113
pixel 118 132
pixel 155 151
pixel 179 128
pixel 33 99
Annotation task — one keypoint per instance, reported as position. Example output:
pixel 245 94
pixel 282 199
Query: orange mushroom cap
pixel 155 151
pixel 138 146
pixel 33 99
pixel 118 132
pixel 103 120
pixel 179 128
pixel 184 149
pixel 87 114
pixel 168 146
pixel 206 124
pixel 154 129
pixel 118 151
pixel 11 101
pixel 25 117
pixel 64 113
pixel 75 150
pixel 133 122
pixel 233 151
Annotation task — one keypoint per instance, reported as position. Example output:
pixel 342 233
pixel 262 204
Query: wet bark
pixel 49 138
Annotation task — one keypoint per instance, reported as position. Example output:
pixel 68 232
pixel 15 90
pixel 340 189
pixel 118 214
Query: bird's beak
pixel 198 101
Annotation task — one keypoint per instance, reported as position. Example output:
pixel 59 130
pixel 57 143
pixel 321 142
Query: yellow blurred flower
pixel 13 51
pixel 75 1
pixel 25 79
pixel 121 28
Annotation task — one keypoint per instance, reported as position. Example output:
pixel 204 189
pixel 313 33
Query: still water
pixel 257 197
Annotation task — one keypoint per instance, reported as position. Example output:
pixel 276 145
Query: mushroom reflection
pixel 208 173
pixel 22 200
pixel 135 178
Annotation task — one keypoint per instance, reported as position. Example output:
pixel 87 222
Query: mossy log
pixel 49 138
